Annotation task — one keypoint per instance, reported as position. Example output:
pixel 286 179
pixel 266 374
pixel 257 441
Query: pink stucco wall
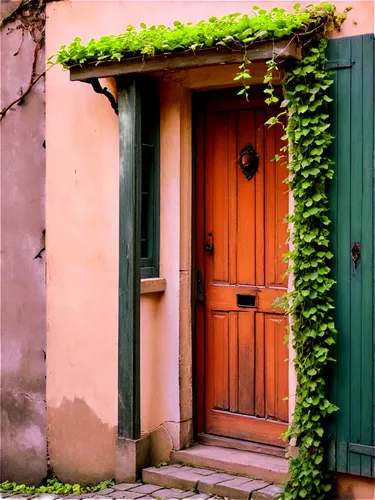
pixel 82 229
pixel 23 317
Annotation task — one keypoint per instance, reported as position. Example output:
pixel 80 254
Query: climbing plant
pixel 307 137
pixel 236 31
pixel 309 303
pixel 28 16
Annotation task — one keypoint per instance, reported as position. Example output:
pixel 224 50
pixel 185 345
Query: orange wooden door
pixel 246 375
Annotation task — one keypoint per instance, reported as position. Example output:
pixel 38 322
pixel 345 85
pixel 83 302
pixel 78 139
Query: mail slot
pixel 246 300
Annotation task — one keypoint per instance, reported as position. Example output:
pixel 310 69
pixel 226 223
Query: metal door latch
pixel 356 253
pixel 200 287
pixel 209 245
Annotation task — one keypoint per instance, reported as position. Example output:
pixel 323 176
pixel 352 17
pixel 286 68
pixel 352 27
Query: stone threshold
pixel 207 483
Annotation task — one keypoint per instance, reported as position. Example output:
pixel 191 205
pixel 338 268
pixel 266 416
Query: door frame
pixel 198 307
pixel 199 100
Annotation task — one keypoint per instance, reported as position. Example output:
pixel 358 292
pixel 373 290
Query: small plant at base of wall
pixel 52 486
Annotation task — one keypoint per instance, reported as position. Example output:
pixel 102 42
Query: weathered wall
pixel 82 228
pixel 23 318
pixel 349 487
pixel 82 279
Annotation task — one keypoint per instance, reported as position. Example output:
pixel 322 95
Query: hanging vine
pixel 29 17
pixel 309 304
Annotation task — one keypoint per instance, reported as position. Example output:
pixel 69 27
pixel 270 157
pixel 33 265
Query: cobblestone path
pixel 122 491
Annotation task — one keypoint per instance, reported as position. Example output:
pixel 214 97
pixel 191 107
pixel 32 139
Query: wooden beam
pixel 260 51
pixel 361 449
pixel 222 76
pixel 129 101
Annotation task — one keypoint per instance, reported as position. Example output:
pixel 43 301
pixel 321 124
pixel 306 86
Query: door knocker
pixel 248 160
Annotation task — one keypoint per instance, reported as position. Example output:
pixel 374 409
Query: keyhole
pixel 356 253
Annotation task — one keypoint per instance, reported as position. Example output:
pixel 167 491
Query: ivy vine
pixel 309 303
pixel 29 17
pixel 235 31
pixel 307 137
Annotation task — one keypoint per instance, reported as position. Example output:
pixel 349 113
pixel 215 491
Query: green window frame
pixel 150 183
pixel 139 151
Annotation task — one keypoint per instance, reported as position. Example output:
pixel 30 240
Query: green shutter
pixel 129 402
pixel 351 381
pixel 138 103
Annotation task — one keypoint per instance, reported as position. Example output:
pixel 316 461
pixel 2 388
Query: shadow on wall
pixel 350 487
pixel 82 449
pixel 23 296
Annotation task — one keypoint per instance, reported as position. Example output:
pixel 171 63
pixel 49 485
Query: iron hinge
pixel 362 449
pixel 339 64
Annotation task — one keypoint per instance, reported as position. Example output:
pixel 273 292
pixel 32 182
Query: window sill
pixel 153 285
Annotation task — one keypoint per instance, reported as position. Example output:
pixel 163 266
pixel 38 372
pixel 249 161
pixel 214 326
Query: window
pixel 150 153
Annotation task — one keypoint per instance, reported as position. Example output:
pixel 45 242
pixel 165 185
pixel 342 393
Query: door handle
pixel 200 287
pixel 209 245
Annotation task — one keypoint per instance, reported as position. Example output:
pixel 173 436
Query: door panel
pixel 220 178
pixel 233 363
pixel 276 381
pixel 276 204
pixel 220 339
pixel 245 237
pixel 246 377
pixel 260 402
pixel 246 358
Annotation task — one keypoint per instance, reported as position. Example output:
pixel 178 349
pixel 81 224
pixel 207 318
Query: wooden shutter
pixel 351 380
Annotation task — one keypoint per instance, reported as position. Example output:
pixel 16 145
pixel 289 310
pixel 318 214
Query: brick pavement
pixel 121 491
pixel 176 482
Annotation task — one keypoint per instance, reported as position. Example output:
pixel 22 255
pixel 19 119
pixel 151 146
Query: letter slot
pixel 246 300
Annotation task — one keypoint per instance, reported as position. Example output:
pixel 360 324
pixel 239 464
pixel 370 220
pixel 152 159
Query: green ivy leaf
pixel 302 109
pixel 271 121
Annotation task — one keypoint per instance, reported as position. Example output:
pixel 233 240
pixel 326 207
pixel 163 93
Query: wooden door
pixel 244 238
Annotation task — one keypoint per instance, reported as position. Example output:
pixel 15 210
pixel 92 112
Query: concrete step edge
pixel 252 471
pixel 167 478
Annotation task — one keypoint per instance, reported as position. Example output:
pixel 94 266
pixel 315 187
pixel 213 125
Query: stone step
pixel 207 483
pixel 244 463
pixel 238 444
